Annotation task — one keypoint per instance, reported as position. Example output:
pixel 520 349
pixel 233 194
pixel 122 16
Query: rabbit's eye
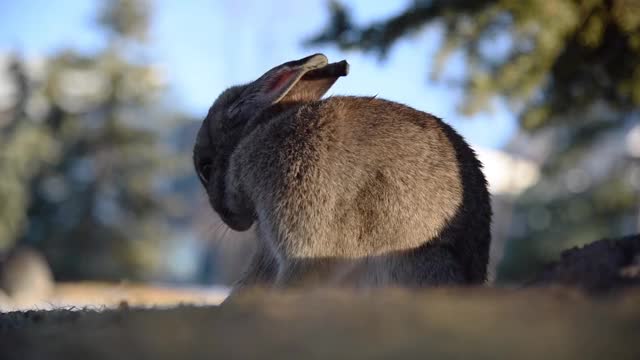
pixel 204 170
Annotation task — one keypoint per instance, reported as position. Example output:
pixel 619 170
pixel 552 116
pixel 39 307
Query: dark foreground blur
pixel 476 323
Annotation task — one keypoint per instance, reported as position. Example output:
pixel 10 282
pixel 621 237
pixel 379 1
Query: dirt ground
pixel 478 323
pixel 584 306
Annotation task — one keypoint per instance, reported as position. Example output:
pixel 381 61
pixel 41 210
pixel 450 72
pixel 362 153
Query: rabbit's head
pixel 232 116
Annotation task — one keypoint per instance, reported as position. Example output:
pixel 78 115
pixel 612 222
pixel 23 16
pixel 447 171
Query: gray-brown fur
pixel 349 191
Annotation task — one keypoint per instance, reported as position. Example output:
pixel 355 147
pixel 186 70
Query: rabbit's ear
pixel 315 83
pixel 274 85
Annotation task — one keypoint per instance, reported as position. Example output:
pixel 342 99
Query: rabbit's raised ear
pixel 300 80
pixel 314 84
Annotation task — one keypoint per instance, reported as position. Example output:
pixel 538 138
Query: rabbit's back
pixel 355 177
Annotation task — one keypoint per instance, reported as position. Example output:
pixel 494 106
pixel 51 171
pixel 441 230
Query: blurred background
pixel 100 102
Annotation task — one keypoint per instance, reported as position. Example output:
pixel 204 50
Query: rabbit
pixel 345 191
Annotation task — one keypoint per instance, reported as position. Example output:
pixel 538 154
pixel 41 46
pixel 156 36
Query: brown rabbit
pixel 353 191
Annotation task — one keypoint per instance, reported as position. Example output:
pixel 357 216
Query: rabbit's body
pixel 354 191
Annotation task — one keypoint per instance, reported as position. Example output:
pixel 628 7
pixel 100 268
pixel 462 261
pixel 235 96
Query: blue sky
pixel 206 45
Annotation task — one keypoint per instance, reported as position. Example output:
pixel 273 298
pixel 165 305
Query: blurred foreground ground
pixel 585 306
pixel 478 323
